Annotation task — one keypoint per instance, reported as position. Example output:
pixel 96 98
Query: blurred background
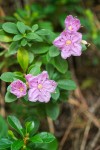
pixel 78 125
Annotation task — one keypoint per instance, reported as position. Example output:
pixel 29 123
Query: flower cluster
pixel 69 41
pixel 40 87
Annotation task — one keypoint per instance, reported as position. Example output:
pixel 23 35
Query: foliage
pixel 29 43
pixel 26 137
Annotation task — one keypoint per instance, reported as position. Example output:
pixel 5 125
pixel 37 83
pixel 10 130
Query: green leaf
pixel 46 25
pixel 53 51
pixel 60 64
pixel 50 70
pixel 23 58
pixel 17 37
pixel 10 97
pixel 34 36
pixel 43 137
pixel 7 76
pixel 13 48
pixel 15 123
pixel 42 32
pixel 34 27
pixel 5 38
pixel 50 37
pixel 39 48
pixel 17 145
pixel 52 110
pixel 23 42
pixel 64 95
pixel 29 126
pixel 67 84
pixel 56 94
pixel 10 27
pixel 21 27
pixel 31 57
pixel 35 69
pixel 32 125
pixel 3 127
pixel 5 143
pixel 47 146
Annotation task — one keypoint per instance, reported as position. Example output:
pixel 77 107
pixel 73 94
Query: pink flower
pixel 72 23
pixel 41 88
pixel 69 44
pixel 28 79
pixel 18 88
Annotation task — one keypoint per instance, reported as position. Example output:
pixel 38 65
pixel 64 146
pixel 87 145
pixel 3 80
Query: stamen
pixel 21 89
pixel 39 86
pixel 68 42
pixel 70 27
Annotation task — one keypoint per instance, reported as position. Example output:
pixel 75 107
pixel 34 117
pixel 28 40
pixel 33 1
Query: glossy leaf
pixel 10 27
pixel 53 51
pixel 23 58
pixel 23 42
pixel 43 32
pixel 67 84
pixel 35 70
pixel 56 94
pixel 21 27
pixel 32 125
pixel 17 145
pixel 43 137
pixel 52 110
pixel 34 27
pixel 5 143
pixel 60 64
pixel 29 126
pixel 39 48
pixel 34 36
pixel 17 37
pixel 13 48
pixel 7 76
pixel 15 123
pixel 10 97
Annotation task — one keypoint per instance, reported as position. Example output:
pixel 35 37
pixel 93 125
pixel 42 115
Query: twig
pixel 78 94
pixel 51 125
pixel 87 129
pixel 67 131
pixel 3 91
pixel 4 46
pixel 2 105
pixel 94 141
pixel 86 112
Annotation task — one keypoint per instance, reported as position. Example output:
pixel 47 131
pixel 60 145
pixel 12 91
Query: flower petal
pixel 44 97
pixel 50 85
pixel 33 95
pixel 42 77
pixel 65 54
pixel 59 42
pixel 76 50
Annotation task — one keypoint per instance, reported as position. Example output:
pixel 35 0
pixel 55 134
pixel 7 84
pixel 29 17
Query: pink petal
pixel 44 97
pixel 77 37
pixel 65 35
pixel 76 50
pixel 59 42
pixel 33 95
pixel 50 85
pixel 42 77
pixel 65 54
